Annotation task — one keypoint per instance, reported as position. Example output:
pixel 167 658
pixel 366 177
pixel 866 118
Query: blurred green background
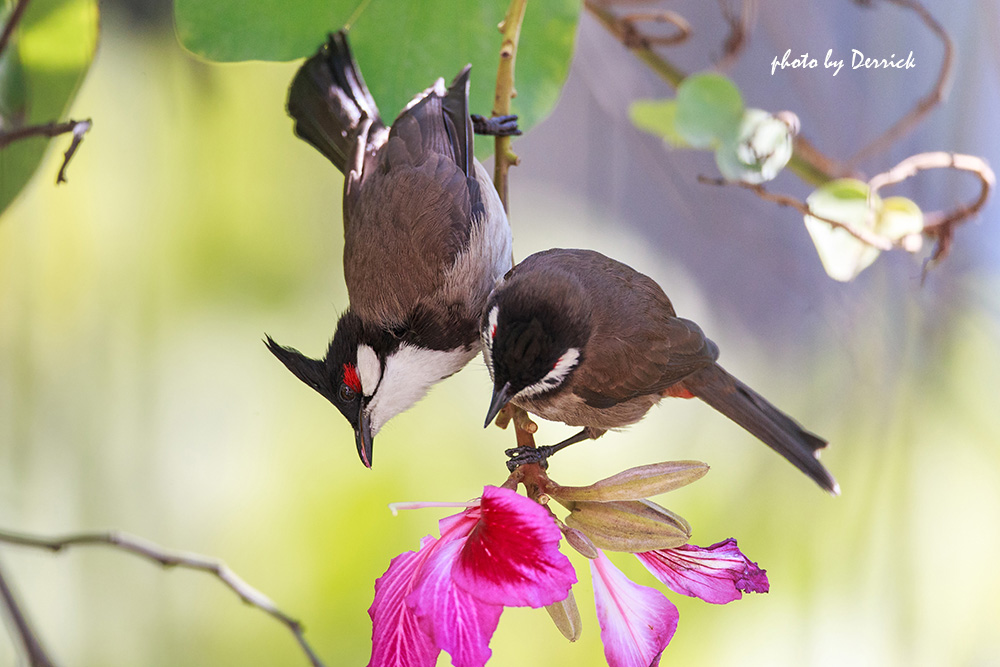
pixel 135 392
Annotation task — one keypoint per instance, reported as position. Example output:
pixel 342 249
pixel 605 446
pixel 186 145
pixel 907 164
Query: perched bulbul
pixel 426 240
pixel 577 337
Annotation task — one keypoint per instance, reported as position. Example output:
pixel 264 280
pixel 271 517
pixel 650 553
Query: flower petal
pixel 458 623
pixel 512 555
pixel 637 622
pixel 397 638
pixel 719 573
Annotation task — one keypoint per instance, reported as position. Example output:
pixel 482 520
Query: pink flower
pixel 448 595
pixel 637 622
pixel 719 573
pixel 503 551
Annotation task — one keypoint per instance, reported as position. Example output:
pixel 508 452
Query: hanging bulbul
pixel 426 239
pixel 577 337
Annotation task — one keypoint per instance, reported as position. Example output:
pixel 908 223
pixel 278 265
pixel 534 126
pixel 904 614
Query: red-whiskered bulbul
pixel 577 337
pixel 426 239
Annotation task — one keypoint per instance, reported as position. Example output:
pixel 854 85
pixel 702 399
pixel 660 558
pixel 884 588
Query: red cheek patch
pixel 351 378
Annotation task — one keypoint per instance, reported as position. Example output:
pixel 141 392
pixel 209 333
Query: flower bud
pixel 579 541
pixel 634 483
pixel 566 615
pixel 629 525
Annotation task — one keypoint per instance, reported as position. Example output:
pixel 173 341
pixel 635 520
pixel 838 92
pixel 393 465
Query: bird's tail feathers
pixel 330 103
pixel 753 412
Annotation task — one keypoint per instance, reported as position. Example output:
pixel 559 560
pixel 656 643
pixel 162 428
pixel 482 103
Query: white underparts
pixel 554 377
pixel 409 372
pixel 369 369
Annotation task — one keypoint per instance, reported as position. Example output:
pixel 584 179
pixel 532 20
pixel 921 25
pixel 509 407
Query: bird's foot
pixel 497 126
pixel 520 456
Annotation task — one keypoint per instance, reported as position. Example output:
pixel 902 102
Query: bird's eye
pixel 346 394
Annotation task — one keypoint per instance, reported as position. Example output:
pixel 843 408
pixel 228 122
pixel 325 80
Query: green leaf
pixel 53 47
pixel 13 89
pixel 709 109
pixel 844 200
pixel 759 151
pixel 657 117
pixel 402 46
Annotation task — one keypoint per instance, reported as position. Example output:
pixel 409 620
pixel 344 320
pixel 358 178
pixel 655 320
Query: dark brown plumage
pixel 577 337
pixel 425 239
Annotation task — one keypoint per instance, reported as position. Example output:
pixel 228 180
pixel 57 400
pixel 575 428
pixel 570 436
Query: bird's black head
pixel 339 377
pixel 531 343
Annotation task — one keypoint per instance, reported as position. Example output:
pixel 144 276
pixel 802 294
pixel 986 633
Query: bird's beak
pixel 363 437
pixel 501 396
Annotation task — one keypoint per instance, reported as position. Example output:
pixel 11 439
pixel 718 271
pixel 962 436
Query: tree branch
pixel 138 546
pixel 77 127
pixel 924 105
pixel 939 224
pixel 504 157
pixel 12 22
pixel 37 656
pixel 863 235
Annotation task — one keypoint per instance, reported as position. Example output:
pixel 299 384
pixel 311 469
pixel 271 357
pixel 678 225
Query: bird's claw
pixel 497 126
pixel 520 456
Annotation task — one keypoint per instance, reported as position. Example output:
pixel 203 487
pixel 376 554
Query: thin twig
pixel 667 71
pixel 169 559
pixel 633 38
pixel 77 127
pixel 739 30
pixel 939 224
pixel 906 124
pixel 863 235
pixel 36 653
pixel 79 130
pixel 12 22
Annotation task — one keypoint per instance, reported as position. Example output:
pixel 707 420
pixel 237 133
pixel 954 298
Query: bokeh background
pixel 135 392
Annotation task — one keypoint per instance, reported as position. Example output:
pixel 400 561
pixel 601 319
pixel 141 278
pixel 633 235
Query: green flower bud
pixel 634 483
pixel 566 615
pixel 629 525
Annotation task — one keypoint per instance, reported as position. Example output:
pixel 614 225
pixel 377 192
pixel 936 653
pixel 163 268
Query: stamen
pixel 395 507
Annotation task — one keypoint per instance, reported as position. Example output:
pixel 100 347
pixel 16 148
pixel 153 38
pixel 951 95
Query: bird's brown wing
pixel 637 346
pixel 411 212
pixel 645 362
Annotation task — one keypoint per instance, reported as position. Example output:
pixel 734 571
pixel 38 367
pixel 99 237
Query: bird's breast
pixel 565 406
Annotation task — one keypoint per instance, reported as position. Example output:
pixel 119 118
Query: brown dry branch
pixel 924 105
pixel 31 644
pixel 77 127
pixel 642 49
pixel 632 37
pixel 739 29
pixel 863 235
pixel 138 546
pixel 940 225
pixel 12 21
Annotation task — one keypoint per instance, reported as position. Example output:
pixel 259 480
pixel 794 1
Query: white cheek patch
pixel 554 377
pixel 409 372
pixel 369 369
pixel 488 334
